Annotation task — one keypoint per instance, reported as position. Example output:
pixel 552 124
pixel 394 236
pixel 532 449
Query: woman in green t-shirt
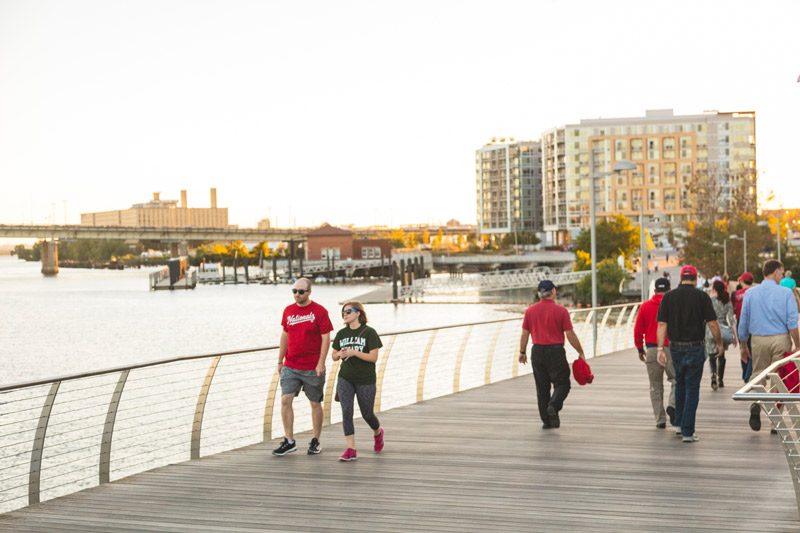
pixel 357 344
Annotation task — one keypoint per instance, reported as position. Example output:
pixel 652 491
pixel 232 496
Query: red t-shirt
pixel 547 321
pixel 305 327
pixel 738 300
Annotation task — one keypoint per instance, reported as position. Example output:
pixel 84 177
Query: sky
pixel 356 112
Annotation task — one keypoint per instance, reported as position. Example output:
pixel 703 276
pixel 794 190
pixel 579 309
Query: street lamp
pixel 724 254
pixel 777 229
pixel 743 239
pixel 619 166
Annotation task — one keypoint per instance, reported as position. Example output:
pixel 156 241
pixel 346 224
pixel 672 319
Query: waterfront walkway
pixel 473 461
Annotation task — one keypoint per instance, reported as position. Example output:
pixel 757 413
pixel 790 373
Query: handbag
pixel 726 332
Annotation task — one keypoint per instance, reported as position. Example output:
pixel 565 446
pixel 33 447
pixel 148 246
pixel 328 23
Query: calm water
pixel 92 319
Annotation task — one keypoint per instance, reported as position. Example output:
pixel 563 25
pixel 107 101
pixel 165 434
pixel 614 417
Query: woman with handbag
pixel 357 345
pixel 723 307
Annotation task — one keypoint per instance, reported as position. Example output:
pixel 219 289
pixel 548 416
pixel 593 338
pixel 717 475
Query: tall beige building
pixel 162 214
pixel 668 151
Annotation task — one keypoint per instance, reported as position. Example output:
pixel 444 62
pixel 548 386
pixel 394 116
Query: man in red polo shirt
pixel 547 323
pixel 645 335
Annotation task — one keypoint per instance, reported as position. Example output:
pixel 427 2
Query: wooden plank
pixel 476 460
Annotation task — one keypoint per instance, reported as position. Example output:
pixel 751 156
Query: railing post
pixel 381 372
pixel 38 445
pixel 460 360
pixel 490 355
pixel 423 364
pixel 197 424
pixel 108 429
pixel 269 409
pixel 329 386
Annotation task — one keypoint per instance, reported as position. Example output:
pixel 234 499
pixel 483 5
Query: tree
pixel 609 278
pixel 614 237
pixel 522 238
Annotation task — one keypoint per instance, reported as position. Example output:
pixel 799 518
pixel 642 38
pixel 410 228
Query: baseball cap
pixel 688 270
pixel 546 285
pixel 747 277
pixel 662 284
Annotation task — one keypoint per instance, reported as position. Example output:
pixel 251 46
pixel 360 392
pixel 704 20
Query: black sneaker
pixel 661 425
pixel 755 417
pixel 314 446
pixel 553 415
pixel 285 447
pixel 671 415
pixel 547 426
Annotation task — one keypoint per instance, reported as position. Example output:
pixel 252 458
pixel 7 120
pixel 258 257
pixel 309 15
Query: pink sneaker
pixel 348 455
pixel 379 442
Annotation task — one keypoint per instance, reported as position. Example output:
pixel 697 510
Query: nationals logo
pixel 293 320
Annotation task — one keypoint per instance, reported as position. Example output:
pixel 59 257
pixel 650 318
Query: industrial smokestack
pixel 213 197
pixel 183 199
pixel 156 196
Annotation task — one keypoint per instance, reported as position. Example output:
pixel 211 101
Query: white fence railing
pixel 58 436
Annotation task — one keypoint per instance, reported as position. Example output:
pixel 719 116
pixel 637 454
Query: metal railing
pixel 62 435
pixel 769 390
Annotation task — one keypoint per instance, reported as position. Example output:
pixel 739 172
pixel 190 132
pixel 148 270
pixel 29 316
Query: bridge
pixel 184 445
pixel 71 232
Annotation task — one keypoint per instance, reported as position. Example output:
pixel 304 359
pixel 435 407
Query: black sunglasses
pixel 300 291
pixel 348 311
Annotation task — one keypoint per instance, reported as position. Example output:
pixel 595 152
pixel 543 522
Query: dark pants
pixel 747 368
pixel 688 361
pixel 549 362
pixel 717 365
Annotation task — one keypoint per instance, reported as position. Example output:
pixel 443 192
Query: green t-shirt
pixel 788 282
pixel 364 339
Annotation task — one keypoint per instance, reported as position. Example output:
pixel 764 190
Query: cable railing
pixel 65 434
pixel 771 391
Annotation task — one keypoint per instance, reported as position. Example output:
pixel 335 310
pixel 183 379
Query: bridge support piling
pixel 173 249
pixel 49 258
pixel 394 281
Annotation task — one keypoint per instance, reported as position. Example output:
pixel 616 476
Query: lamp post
pixel 724 254
pixel 744 240
pixel 777 229
pixel 619 166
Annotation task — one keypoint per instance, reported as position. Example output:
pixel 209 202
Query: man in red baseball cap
pixel 683 315
pixel 737 298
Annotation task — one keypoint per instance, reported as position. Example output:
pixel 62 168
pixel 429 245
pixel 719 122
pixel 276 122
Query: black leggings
pixel 366 402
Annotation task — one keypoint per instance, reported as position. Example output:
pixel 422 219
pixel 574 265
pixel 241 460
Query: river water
pixel 83 320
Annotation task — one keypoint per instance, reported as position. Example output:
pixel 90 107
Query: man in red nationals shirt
pixel 304 346
pixel 645 338
pixel 547 323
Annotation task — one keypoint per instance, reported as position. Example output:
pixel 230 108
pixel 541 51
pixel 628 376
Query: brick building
pixel 329 241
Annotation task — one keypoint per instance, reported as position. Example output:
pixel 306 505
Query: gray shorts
pixel 292 381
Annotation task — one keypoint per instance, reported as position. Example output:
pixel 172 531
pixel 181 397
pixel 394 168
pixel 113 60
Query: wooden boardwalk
pixel 474 461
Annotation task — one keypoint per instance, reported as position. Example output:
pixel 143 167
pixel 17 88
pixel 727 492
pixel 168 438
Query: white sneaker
pixel 693 438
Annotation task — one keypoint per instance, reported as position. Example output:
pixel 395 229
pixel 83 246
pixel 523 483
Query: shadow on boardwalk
pixel 474 461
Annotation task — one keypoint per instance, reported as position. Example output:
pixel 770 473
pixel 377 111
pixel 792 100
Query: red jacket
pixel 646 328
pixel 738 299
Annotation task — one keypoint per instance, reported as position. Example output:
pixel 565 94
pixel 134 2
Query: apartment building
pixel 508 186
pixel 669 151
pixel 163 214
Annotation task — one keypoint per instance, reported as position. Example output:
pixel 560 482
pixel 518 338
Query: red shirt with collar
pixel 646 324
pixel 547 321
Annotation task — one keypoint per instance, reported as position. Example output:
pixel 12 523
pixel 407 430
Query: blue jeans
pixel 688 361
pixel 747 368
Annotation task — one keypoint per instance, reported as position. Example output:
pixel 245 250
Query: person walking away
pixel 357 345
pixel 788 281
pixel 645 339
pixel 682 317
pixel 769 320
pixel 737 298
pixel 721 301
pixel 303 348
pixel 547 323
pixel 655 265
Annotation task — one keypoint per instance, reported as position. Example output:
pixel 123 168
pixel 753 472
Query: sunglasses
pixel 300 291
pixel 348 311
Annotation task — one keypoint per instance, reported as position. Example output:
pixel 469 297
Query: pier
pixel 185 445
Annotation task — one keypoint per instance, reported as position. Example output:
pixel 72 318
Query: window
pixel 655 199
pixel 652 149
pixel 653 174
pixel 622 200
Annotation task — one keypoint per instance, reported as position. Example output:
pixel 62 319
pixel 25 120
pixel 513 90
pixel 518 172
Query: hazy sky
pixel 356 112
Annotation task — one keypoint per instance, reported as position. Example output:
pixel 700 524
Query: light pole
pixel 724 254
pixel 777 229
pixel 619 166
pixel 743 239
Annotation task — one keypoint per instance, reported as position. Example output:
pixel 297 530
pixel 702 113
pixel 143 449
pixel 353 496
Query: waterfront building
pixel 330 242
pixel 508 185
pixel 670 151
pixel 162 213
